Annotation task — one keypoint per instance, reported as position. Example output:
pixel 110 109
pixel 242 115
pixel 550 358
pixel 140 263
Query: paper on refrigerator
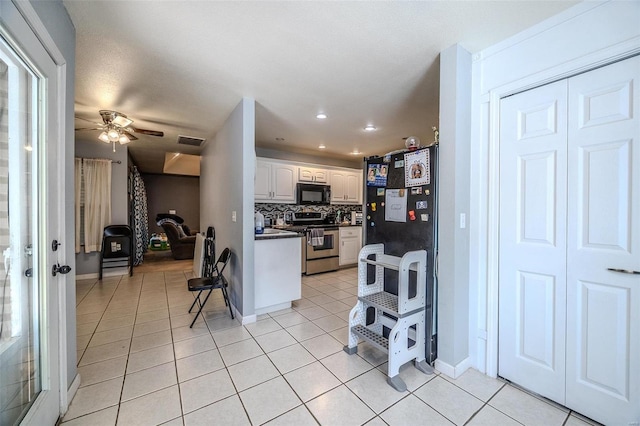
pixel 395 205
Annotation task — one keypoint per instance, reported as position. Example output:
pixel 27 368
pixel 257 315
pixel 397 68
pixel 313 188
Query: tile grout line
pixel 173 348
pixel 124 376
pixel 84 351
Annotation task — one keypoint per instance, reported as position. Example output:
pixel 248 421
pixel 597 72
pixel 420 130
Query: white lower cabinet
pixel 350 244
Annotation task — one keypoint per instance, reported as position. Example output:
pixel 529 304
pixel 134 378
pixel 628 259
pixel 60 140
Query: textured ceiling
pixel 182 66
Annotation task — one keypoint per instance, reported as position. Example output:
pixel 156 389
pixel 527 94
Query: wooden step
pixel 372 337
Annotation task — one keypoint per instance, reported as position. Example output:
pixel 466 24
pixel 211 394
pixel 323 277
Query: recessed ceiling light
pixel 280 139
pixel 321 146
pixel 321 116
pixel 355 152
pixel 370 128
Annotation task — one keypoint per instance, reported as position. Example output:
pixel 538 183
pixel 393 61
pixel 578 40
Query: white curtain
pixel 78 182
pixel 97 201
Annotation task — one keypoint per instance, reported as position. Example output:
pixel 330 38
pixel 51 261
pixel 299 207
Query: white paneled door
pixel 603 309
pixel 569 304
pixel 533 209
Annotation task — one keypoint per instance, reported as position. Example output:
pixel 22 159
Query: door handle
pixel 64 269
pixel 624 271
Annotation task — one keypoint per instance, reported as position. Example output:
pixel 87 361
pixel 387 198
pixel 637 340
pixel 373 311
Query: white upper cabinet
pixel 346 187
pixel 310 174
pixel 275 182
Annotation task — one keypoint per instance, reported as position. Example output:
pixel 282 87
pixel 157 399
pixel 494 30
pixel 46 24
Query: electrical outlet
pixel 172 212
pixel 233 216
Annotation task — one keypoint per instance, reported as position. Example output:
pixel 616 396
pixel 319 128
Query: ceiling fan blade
pixel 146 131
pixel 130 135
pixel 90 121
pixel 90 128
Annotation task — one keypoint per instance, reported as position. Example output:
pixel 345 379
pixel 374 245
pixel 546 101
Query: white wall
pixel 588 35
pixel 227 171
pixel 89 263
pixel 354 163
pixel 453 201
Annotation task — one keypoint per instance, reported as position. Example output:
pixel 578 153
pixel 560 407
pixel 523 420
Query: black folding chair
pixel 117 248
pixel 211 279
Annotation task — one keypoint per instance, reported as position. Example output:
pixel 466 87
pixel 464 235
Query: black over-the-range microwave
pixel 309 193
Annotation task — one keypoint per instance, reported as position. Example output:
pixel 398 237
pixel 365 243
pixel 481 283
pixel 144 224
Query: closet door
pixel 603 306
pixel 533 211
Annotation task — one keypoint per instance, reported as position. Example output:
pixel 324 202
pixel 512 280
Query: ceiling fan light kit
pixel 117 128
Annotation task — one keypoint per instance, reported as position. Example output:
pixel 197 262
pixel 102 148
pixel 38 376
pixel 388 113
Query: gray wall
pixel 227 172
pixel 171 192
pixel 59 26
pixel 453 200
pixel 89 263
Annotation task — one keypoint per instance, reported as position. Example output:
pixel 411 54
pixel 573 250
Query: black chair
pixel 117 248
pixel 211 279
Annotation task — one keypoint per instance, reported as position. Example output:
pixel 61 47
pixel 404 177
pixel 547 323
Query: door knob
pixel 64 269
pixel 624 271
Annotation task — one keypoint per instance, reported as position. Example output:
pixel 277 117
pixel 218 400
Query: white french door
pixel 30 209
pixel 569 304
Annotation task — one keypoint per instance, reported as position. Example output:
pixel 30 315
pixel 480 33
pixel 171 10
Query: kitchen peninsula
pixel 277 276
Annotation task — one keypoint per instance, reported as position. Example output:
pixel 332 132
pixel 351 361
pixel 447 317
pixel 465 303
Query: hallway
pixel 140 363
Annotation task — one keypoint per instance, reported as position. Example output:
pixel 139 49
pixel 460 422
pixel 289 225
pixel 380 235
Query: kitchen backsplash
pixel 275 210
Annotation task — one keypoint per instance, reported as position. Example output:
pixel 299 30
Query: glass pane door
pixel 20 294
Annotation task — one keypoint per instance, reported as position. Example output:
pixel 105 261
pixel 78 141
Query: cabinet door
pixel 305 174
pixel 262 190
pixel 338 185
pixel 284 182
pixel 353 188
pixel 348 251
pixel 321 176
pixel 310 174
pixel 346 187
pixel 350 245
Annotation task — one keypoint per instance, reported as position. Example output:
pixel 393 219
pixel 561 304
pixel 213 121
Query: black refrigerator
pixel 400 202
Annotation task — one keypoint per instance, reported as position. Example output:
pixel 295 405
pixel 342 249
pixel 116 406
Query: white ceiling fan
pixel 117 127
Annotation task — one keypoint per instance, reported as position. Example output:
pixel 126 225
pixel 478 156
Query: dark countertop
pixel 289 234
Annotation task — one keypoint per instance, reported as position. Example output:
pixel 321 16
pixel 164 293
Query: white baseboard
pixel 243 320
pixel 249 319
pixel 273 308
pixel 453 371
pixel 71 392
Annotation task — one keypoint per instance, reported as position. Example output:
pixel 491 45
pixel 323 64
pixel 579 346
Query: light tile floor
pixel 141 364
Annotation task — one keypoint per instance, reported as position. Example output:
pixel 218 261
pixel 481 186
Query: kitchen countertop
pixel 274 234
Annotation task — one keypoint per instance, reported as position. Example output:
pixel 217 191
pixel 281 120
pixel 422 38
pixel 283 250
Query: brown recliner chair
pixel 182 244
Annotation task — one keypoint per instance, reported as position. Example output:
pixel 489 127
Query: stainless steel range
pixel 317 257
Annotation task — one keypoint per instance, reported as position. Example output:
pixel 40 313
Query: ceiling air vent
pixel 190 140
